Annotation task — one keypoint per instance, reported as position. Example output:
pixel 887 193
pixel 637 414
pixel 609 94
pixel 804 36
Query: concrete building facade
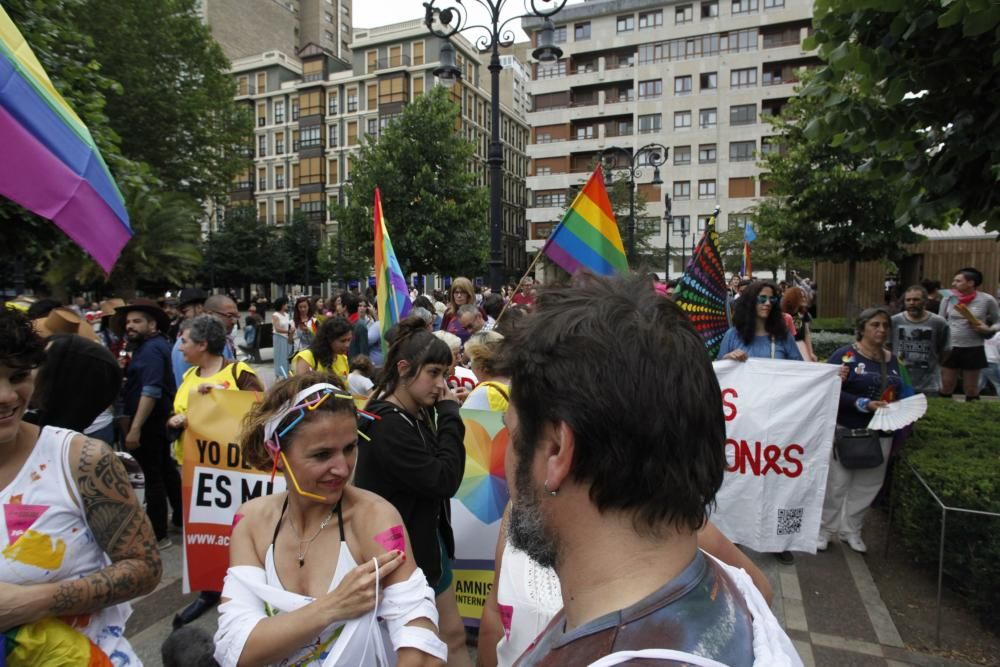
pixel 312 112
pixel 697 76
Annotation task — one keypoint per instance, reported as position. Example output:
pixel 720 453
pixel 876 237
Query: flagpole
pixel 519 283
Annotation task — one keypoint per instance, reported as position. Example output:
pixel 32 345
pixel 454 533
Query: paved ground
pixel 828 603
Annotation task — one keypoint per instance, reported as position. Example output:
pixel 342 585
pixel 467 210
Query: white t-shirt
pixel 359 384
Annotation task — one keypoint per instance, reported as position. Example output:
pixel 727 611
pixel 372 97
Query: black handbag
pixel 859 448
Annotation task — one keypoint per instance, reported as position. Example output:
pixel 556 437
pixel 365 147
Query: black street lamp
pixel 684 224
pixel 449 21
pixel 655 154
pixel 668 218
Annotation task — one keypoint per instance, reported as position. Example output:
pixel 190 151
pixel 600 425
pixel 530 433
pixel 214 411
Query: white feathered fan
pixel 899 414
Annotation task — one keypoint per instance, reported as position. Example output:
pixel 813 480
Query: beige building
pixel 312 112
pixel 246 28
pixel 697 76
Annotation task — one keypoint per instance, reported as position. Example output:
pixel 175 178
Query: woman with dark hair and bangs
pixel 415 459
pixel 759 328
pixel 327 353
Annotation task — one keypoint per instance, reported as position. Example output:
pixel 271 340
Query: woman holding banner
pixel 416 460
pixel 327 353
pixel 281 604
pixel 759 328
pixel 873 381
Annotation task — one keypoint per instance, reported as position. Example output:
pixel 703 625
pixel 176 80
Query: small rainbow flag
pixel 50 164
pixel 749 236
pixel 588 235
pixel 390 284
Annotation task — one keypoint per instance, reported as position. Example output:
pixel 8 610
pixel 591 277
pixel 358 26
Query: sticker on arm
pixel 392 539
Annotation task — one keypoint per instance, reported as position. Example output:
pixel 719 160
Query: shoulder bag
pixel 860 448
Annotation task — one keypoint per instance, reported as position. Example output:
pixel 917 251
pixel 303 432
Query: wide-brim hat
pixel 147 306
pixel 63 321
pixel 109 306
pixel 190 295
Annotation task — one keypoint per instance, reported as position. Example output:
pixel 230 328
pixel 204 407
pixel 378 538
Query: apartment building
pixel 246 28
pixel 312 112
pixel 699 77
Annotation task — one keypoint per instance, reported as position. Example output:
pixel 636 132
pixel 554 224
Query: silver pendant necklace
pixel 308 542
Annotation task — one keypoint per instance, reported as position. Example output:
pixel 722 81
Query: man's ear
pixel 560 446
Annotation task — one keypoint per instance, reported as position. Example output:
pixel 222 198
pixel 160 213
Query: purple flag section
pixel 39 181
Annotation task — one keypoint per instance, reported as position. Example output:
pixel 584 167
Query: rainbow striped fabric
pixel 587 237
pixel 50 164
pixel 390 284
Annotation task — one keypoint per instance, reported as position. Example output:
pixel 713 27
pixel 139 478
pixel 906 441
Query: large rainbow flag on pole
pixel 701 292
pixel 390 284
pixel 49 163
pixel 588 235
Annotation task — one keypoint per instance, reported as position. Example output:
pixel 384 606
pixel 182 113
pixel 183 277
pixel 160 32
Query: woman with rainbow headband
pixel 328 351
pixel 281 604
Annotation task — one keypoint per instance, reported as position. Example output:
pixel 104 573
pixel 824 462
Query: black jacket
pixel 417 468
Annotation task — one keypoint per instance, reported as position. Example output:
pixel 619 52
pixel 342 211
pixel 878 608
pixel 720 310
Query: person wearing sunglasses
pixel 319 573
pixel 759 329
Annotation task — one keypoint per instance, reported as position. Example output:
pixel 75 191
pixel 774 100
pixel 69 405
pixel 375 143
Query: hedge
pixel 956 449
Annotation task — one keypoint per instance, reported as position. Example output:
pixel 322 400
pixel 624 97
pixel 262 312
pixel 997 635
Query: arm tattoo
pixel 120 527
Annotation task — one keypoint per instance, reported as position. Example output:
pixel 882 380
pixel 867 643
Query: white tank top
pixel 45 538
pixel 529 596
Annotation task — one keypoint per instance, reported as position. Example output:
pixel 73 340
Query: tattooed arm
pixel 120 527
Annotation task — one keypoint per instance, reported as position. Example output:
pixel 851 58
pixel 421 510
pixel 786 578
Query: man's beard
pixel 527 525
pixel 915 312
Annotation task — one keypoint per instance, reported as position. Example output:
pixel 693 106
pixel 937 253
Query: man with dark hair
pixel 972 316
pixel 920 339
pixel 355 315
pixel 613 465
pixel 148 397
pixel 471 318
pixel 933 288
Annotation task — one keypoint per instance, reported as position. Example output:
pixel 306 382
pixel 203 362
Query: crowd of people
pixel 605 547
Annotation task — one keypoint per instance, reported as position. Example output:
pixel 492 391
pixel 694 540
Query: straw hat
pixel 109 306
pixel 147 306
pixel 63 321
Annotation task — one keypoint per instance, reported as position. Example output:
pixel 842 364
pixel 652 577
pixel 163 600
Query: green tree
pixel 300 242
pixel 821 204
pixel 245 250
pixel 340 261
pixel 435 212
pixel 175 108
pixel 912 87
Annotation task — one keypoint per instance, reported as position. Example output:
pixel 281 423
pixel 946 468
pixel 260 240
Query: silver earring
pixel 545 485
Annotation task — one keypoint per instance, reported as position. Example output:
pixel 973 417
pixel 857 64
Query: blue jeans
pixel 991 373
pixel 249 334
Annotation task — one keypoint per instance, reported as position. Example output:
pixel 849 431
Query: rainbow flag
pixel 587 237
pixel 390 284
pixel 50 164
pixel 701 292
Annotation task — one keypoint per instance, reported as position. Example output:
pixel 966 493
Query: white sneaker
pixel 855 542
pixel 165 543
pixel 823 541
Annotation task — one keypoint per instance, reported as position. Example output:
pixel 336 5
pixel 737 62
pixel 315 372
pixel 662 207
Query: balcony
pixel 390 63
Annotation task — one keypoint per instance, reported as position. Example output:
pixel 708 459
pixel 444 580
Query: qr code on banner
pixel 790 521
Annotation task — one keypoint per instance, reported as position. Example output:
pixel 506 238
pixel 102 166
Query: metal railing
pixel 941 544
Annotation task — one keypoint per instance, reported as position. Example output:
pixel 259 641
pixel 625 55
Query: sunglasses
pixel 773 300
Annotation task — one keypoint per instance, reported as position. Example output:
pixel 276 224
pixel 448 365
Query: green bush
pixel 825 342
pixel 956 449
pixel 838 324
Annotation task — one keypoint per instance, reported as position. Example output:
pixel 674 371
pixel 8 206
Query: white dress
pixel 45 538
pixel 528 596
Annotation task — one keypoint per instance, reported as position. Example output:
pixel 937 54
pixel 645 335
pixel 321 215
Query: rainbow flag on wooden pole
pixel 49 163
pixel 392 295
pixel 588 235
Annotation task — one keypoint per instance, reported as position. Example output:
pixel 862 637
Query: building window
pixel 352 133
pixel 550 71
pixel 740 41
pixel 261 82
pixel 649 123
pixel 329 36
pixel 372 127
pixel 295 109
pixel 333 102
pixel 625 23
pixel 418 86
pixel 682 85
pixel 331 171
pixel 262 179
pixel 744 6
pixel 279 111
pixel 262 146
pixel 706 189
pixel 743 114
pixel 352 100
pixel 587 132
pixel 550 198
pixel 329 17
pixel 417 52
pixel 773 4
pixel 392 90
pixel 741 187
pixel 741 151
pixel 770 145
pixel 707 117
pixel 279 143
pixel 651 53
pixel 334 136
pixel 581 31
pixel 261 115
pixel 682 120
pixel 650 89
pixel 743 78
pixel 371 60
pixel 682 190
pixel 710 9
pixel 707 154
pixel 682 155
pixel 683 13
pixel 651 19
pixel 372 100
pixel 311 103
pixel 279 177
pixel 709 80
pixel 559 35
pixel 311 137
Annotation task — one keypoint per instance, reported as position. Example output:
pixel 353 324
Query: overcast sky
pixel 371 13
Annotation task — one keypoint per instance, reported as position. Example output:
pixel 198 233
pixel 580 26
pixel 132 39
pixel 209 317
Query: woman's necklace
pixel 308 543
pixel 871 355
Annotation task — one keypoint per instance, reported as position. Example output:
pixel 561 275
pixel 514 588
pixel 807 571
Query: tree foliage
pixel 912 87
pixel 435 212
pixel 245 250
pixel 821 203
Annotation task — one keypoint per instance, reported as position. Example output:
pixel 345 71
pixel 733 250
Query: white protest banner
pixel 780 418
pixel 215 481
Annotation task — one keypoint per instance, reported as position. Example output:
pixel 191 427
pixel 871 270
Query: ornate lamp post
pixel 655 154
pixel 449 21
pixel 668 218
pixel 684 224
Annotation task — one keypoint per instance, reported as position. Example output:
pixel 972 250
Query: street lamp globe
pixel 547 51
pixel 447 72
